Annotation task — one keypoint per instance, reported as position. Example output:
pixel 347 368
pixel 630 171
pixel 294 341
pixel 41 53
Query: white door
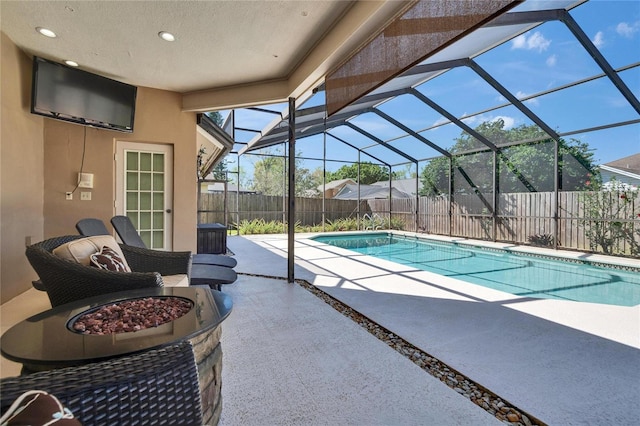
pixel 144 176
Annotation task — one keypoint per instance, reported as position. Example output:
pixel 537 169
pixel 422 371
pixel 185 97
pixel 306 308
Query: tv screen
pixel 70 94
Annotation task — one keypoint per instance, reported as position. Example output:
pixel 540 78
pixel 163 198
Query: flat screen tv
pixel 70 94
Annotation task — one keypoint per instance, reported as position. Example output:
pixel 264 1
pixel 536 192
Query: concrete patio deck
pixel 562 362
pixel 291 359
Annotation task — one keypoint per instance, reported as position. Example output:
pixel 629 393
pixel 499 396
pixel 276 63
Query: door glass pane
pixel 158 182
pixel 145 201
pixel 132 201
pixel 145 161
pixel 132 161
pixel 158 201
pixel 158 238
pixel 145 181
pixel 132 180
pixel 158 220
pixel 145 221
pixel 158 162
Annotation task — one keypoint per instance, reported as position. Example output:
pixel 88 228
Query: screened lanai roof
pixel 412 143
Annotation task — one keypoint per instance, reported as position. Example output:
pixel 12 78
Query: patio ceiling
pixel 314 120
pixel 227 54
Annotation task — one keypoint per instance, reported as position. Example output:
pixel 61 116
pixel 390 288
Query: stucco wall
pixel 21 172
pixel 40 159
pixel 158 120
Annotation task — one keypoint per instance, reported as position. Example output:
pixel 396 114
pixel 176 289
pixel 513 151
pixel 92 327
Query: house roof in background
pixel 335 184
pixel 367 192
pixel 630 164
pixel 405 185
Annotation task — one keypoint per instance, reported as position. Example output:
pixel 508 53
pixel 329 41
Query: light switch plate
pixel 85 196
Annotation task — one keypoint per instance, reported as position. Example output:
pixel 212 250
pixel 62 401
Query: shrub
pixel 609 219
pixel 260 226
pixel 544 240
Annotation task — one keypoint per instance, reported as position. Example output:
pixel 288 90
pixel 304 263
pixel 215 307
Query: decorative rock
pixel 513 417
pixel 462 385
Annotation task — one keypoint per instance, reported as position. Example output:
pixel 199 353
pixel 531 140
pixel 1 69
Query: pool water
pixel 518 274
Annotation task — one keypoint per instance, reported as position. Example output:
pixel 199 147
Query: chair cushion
pixel 80 250
pixel 178 280
pixel 107 258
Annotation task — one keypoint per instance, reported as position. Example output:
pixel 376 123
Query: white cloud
pixel 441 120
pixel 519 42
pixel 521 95
pixel 535 41
pixel 598 39
pixel 552 60
pixel 627 30
pixel 509 122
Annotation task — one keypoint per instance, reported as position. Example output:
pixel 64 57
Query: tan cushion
pixel 81 250
pixel 178 280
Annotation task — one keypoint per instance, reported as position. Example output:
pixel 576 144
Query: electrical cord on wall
pixel 84 149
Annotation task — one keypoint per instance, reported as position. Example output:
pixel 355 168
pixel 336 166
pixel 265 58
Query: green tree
pixel 216 117
pixel 521 168
pixel 308 181
pixel 219 172
pixel 238 176
pixel 269 175
pixel 270 178
pixel 369 173
pixel 405 172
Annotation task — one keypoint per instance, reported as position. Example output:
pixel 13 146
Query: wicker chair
pixel 66 281
pixel 156 387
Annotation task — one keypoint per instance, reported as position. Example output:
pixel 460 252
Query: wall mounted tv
pixel 70 94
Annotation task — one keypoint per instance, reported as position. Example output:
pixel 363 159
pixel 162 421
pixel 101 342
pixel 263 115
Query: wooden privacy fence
pixel 309 211
pixel 519 216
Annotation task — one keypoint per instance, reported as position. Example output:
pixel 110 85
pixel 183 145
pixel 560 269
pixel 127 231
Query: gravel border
pixel 476 393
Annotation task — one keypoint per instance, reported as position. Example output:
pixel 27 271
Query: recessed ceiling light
pixel 166 36
pixel 45 32
pixel 71 63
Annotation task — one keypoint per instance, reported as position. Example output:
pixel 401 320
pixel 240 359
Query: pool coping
pixel 616 262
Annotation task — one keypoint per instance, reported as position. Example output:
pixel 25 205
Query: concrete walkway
pixel 291 359
pixel 562 362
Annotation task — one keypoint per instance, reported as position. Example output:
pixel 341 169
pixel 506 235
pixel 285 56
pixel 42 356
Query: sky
pixel 543 58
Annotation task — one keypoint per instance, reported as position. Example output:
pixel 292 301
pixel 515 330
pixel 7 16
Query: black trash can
pixel 212 238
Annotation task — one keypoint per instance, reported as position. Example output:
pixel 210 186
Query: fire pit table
pixel 48 340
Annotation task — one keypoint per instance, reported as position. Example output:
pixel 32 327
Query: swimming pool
pixel 519 274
